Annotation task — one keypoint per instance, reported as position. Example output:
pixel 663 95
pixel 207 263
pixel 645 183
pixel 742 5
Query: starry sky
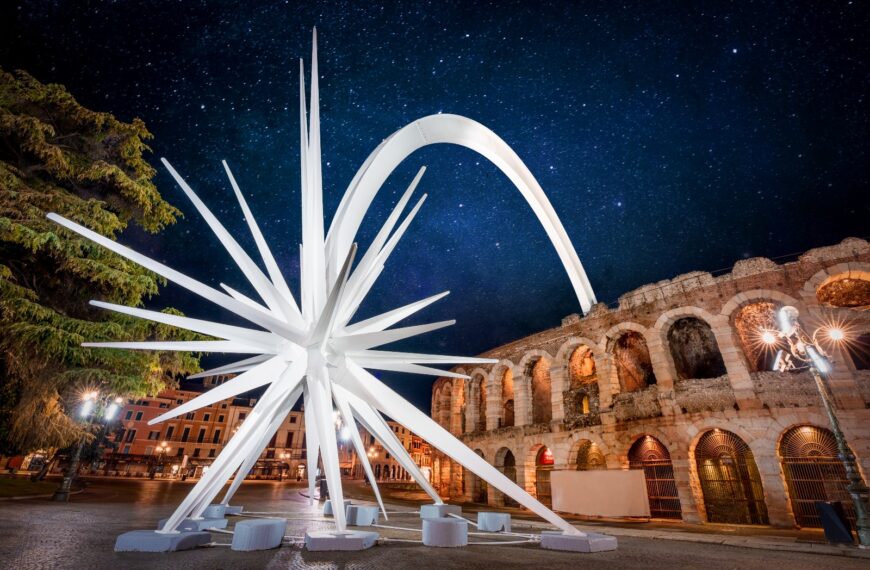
pixel 669 136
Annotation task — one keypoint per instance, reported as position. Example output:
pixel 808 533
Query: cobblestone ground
pixel 81 534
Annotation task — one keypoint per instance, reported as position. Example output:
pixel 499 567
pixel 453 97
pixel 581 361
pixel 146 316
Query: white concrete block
pixel 258 534
pixel 588 542
pixel 332 540
pixel 231 510
pixel 358 515
pixel 327 507
pixel 493 522
pixel 216 511
pixel 153 541
pixel 439 511
pixel 445 532
pixel 197 524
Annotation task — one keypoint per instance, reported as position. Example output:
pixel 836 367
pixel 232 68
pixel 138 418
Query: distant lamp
pixel 836 334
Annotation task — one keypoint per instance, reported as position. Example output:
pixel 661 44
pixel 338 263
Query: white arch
pixel 451 129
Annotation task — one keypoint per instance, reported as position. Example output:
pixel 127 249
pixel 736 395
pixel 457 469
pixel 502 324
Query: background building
pixel 676 381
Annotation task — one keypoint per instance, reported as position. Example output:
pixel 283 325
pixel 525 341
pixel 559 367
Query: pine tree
pixel 57 156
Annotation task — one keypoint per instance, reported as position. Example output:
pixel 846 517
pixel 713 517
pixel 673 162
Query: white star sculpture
pixel 312 349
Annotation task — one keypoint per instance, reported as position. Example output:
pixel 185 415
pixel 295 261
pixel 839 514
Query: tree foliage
pixel 57 156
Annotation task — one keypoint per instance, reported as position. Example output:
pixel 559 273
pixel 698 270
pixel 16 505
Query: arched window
pixel 581 367
pixel 543 468
pixel 853 293
pixel 633 363
pixel 584 404
pixel 542 405
pixel 508 466
pixel 589 456
pixel 750 322
pixel 475 484
pixel 859 350
pixel 729 479
pixel 480 384
pixel 507 398
pixel 652 456
pixel 694 349
pixel 813 472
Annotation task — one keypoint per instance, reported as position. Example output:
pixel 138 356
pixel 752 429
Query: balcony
pixel 704 395
pixel 786 389
pixel 638 405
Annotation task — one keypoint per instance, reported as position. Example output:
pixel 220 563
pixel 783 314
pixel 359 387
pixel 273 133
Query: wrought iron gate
pixel 653 457
pixel 813 472
pixel 729 479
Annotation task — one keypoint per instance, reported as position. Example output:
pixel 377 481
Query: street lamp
pixel 804 351
pixel 162 449
pixel 91 406
pixel 284 465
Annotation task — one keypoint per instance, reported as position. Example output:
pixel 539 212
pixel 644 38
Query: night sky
pixel 668 138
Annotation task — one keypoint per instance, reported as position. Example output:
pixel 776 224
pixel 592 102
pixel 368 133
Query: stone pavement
pixel 80 534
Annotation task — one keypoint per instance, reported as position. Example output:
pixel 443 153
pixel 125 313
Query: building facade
pixel 677 380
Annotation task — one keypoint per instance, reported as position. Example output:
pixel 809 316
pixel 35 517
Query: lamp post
pixel 284 465
pixel 91 406
pixel 162 450
pixel 805 351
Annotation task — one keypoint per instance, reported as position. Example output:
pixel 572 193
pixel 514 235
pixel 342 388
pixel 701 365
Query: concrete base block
pixel 445 532
pixel 493 522
pixel 216 511
pixel 357 515
pixel 197 524
pixel 327 507
pixel 331 540
pixel 259 534
pixel 590 542
pixel 153 541
pixel 231 510
pixel 439 511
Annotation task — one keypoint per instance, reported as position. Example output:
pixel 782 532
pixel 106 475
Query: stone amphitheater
pixel 676 381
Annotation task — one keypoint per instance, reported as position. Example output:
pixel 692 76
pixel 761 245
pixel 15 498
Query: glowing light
pixel 787 319
pixel 836 334
pixel 87 407
pixel 111 411
pixel 768 337
pixel 818 360
pixel 345 433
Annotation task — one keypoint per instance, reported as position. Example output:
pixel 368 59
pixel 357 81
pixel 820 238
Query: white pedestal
pixel 445 532
pixel 331 540
pixel 358 515
pixel 439 511
pixel 216 511
pixel 493 522
pixel 196 524
pixel 231 510
pixel 589 542
pixel 327 507
pixel 259 534
pixel 153 541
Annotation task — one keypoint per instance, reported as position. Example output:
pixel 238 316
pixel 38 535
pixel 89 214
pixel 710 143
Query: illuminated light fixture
pixel 836 334
pixel 87 407
pixel 112 410
pixel 787 318
pixel 767 337
pixel 344 434
pixel 311 349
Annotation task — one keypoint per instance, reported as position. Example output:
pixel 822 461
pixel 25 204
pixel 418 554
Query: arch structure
pixel 462 131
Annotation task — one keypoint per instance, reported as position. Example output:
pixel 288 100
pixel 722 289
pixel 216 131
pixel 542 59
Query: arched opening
pixel 543 468
pixel 750 321
pixel 459 405
pixel 859 351
pixel 633 364
pixel 813 472
pixel 847 292
pixel 480 385
pixel 589 456
pixel 476 486
pixel 442 403
pixel 694 349
pixel 581 367
pixel 652 456
pixel 729 479
pixel 507 398
pixel 542 405
pixel 507 464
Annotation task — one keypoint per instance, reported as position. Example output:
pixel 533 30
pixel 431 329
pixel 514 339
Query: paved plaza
pixel 81 534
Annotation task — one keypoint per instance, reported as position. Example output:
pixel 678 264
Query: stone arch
pixel 508 398
pixel 441 402
pixel 813 471
pixel 854 270
pixel 630 352
pixel 506 462
pixel 494 393
pixel 476 404
pixel 653 457
pixel 731 484
pixel 586 455
pixel 753 357
pixel 475 487
pixel 752 321
pixel 537 481
pixel 457 405
pixel 694 349
pixel 533 388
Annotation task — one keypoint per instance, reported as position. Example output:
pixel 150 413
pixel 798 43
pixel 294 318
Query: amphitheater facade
pixel 676 381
